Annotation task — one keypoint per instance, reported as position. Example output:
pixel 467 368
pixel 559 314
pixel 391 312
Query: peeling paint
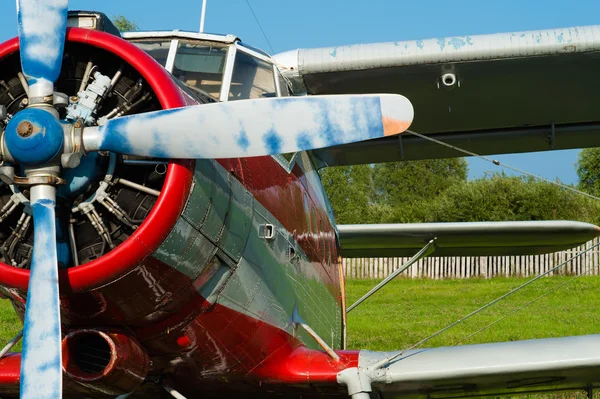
pixel 450 49
pixel 334 52
pixel 442 43
pixel 458 42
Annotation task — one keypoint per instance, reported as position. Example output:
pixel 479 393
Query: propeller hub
pixel 34 137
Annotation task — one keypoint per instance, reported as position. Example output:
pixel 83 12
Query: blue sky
pixel 316 23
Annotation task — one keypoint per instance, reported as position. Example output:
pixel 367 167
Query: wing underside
pixel 512 92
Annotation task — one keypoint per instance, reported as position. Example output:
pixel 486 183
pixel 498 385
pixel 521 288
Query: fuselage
pixel 206 288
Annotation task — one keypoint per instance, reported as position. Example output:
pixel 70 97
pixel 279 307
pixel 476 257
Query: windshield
pixel 252 78
pixel 158 49
pixel 200 65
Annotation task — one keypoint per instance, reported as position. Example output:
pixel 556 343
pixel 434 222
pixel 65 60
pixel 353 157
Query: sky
pixel 318 23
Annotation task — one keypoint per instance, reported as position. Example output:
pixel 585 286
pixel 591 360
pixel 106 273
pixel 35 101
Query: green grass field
pixel 406 311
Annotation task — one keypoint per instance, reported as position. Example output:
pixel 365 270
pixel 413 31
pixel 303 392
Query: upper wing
pixel 464 239
pixel 513 92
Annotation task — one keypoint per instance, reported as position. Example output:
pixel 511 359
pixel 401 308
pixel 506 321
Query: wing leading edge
pixel 464 239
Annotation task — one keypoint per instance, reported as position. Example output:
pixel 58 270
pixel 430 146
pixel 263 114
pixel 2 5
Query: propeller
pixel 41 367
pixel 42 29
pixel 35 138
pixel 250 128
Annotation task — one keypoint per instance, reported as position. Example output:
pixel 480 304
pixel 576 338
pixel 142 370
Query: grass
pixel 406 311
pixel 10 325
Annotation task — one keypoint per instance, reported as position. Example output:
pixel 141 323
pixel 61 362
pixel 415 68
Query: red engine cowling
pixel 94 291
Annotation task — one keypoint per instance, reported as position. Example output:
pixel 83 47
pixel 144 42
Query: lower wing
pixel 571 363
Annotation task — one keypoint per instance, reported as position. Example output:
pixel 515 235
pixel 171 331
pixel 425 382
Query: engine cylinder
pixel 129 225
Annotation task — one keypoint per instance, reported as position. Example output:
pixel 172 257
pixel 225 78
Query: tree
pixel 124 25
pixel 438 191
pixel 502 198
pixel 406 188
pixel 588 170
pixel 350 191
pixel 389 193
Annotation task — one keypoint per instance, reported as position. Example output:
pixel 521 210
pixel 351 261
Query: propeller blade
pixel 41 369
pixel 250 128
pixel 42 29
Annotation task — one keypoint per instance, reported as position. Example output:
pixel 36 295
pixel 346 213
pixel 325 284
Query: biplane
pixel 164 232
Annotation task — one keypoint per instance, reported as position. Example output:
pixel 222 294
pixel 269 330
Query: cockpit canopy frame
pixel 218 66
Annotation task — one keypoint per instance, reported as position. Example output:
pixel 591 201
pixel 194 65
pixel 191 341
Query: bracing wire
pixel 526 304
pixel 387 361
pixel 514 290
pixel 498 163
pixel 260 26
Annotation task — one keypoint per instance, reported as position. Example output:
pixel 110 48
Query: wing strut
pixel 298 321
pixel 424 252
pixel 172 392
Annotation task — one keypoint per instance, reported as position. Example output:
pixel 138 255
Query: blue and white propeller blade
pixel 41 368
pixel 42 29
pixel 250 128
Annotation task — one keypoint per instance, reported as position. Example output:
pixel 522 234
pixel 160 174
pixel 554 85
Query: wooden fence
pixel 478 266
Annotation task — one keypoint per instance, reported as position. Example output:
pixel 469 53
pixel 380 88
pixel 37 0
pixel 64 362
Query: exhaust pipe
pixel 107 361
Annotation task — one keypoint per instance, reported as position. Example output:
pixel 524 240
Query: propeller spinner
pixel 41 143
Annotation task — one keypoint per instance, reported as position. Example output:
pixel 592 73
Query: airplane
pixel 165 233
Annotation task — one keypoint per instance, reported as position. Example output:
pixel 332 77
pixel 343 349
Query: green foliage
pixel 405 188
pixel 391 192
pixel 402 182
pixel 350 189
pixel 124 25
pixel 438 191
pixel 500 197
pixel 588 170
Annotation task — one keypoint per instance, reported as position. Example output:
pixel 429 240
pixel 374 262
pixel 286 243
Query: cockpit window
pixel 157 49
pixel 200 66
pixel 252 78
